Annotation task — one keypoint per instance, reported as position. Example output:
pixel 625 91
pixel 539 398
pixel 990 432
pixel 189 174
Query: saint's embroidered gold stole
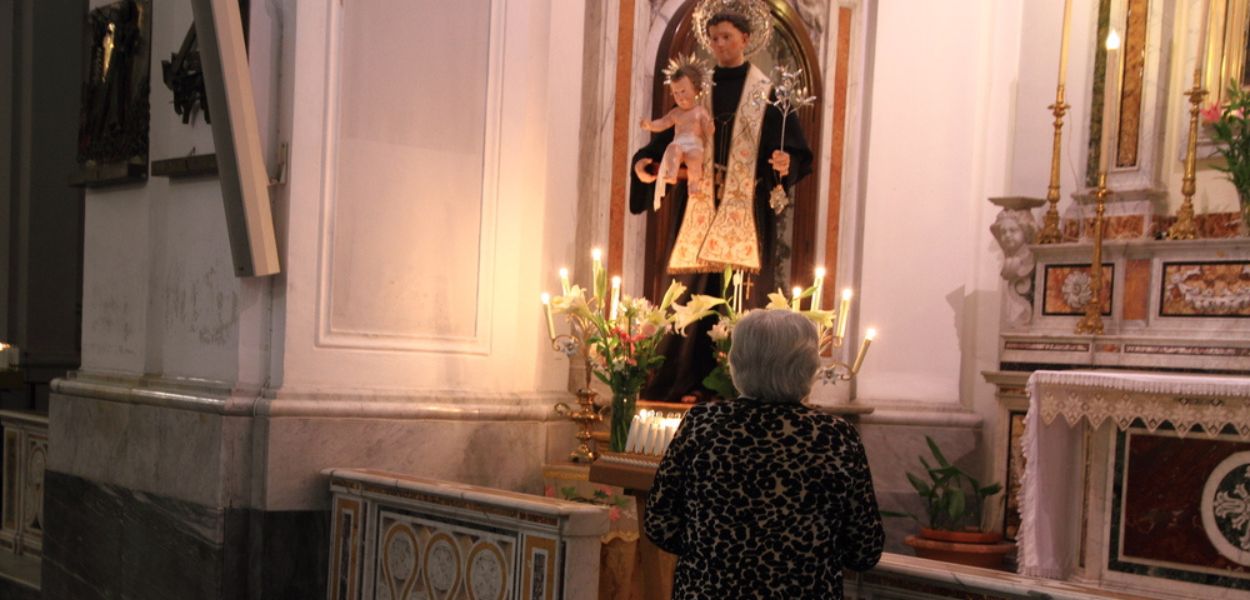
pixel 712 238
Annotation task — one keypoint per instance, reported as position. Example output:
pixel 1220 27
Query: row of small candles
pixel 651 432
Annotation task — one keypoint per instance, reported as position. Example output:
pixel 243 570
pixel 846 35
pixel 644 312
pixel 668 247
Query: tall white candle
pixel 1111 94
pixel 1200 55
pixel 863 350
pixel 551 325
pixel 844 309
pixel 795 302
pixel 596 272
pixel 820 288
pixel 564 281
pixel 1063 41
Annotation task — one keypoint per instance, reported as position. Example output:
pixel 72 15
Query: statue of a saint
pixel 728 223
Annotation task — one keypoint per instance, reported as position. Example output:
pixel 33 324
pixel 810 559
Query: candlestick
pixel 795 302
pixel 869 336
pixel 1050 233
pixel 616 298
pixel 844 309
pixel 820 288
pixel 564 281
pixel 1110 93
pixel 551 325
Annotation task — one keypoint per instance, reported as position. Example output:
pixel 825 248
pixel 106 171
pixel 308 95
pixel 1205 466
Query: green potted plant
pixel 954 503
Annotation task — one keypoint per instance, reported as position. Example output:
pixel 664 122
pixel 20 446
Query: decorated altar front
pixel 1138 481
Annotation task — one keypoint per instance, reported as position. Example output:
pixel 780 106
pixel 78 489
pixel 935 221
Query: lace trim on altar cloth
pixel 1185 401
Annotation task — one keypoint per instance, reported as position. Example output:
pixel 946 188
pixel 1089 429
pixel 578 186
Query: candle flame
pixel 596 254
pixel 1113 40
pixel 797 290
pixel 616 281
pixel 820 271
pixel 545 297
pixel 564 272
pixel 871 334
pixel 847 293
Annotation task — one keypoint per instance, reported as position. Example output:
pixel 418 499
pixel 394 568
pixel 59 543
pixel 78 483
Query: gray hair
pixel 775 355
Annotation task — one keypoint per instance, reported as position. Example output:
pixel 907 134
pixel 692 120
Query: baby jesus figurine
pixel 694 130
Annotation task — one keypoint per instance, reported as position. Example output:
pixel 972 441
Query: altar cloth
pixel 1050 487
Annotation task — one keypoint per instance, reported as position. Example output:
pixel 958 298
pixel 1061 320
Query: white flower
pixel 719 332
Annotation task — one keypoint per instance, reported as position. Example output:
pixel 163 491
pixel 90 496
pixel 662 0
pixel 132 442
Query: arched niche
pixel 792 46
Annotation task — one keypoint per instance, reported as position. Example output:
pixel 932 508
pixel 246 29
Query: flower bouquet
pixel 620 345
pixel 1229 126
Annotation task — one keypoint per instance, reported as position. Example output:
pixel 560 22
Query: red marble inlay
pixel 1162 493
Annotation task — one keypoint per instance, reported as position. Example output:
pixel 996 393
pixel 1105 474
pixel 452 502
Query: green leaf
pixel 990 489
pixel 937 453
pixel 921 487
pixel 956 508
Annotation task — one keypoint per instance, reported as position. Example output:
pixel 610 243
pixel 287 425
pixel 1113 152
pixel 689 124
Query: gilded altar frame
pixel 1226 48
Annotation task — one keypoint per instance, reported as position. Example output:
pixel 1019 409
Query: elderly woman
pixel 763 497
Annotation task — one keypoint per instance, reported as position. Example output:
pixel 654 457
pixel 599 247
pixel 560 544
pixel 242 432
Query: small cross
pixel 749 284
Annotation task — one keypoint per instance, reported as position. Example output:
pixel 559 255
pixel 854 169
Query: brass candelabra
pixel 1185 228
pixel 1050 233
pixel 587 413
pixel 1091 323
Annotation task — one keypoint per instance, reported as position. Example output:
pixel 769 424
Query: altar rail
pixel 395 536
pixel 899 576
pixel 21 507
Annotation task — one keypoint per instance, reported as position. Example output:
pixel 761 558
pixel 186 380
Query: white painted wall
pixel 159 294
pixel 938 145
pixel 475 329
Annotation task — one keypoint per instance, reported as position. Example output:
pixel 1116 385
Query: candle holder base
pixel 585 415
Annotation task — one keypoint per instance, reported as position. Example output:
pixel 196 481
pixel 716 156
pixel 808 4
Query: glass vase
pixel 624 406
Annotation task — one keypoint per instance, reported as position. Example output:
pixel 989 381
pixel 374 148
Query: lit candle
pixel 820 288
pixel 1111 92
pixel 795 302
pixel 844 309
pixel 616 297
pixel 596 271
pixel 863 350
pixel 1063 41
pixel 564 280
pixel 551 324
pixel 737 298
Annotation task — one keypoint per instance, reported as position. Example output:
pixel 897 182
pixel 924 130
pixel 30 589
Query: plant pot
pixel 972 548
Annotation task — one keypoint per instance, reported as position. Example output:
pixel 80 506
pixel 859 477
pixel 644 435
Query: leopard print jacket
pixel 764 500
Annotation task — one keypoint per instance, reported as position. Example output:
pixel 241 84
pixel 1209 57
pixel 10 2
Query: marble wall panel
pixel 106 541
pixel 1205 289
pixel 1066 289
pixel 177 453
pixel 893 450
pixel 500 454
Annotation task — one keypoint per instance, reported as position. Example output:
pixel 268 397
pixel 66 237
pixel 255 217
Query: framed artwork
pixel 1205 289
pixel 1066 289
pixel 113 119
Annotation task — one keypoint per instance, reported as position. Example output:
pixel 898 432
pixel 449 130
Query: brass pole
pixel 1050 223
pixel 1091 323
pixel 1184 228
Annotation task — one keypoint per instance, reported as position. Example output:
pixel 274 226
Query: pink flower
pixel 607 491
pixel 1211 114
pixel 549 491
pixel 614 514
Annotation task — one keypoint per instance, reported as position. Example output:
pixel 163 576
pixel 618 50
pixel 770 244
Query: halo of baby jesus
pixel 688 80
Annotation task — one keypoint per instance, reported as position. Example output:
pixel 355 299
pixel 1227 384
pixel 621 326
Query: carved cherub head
pixel 1014 229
